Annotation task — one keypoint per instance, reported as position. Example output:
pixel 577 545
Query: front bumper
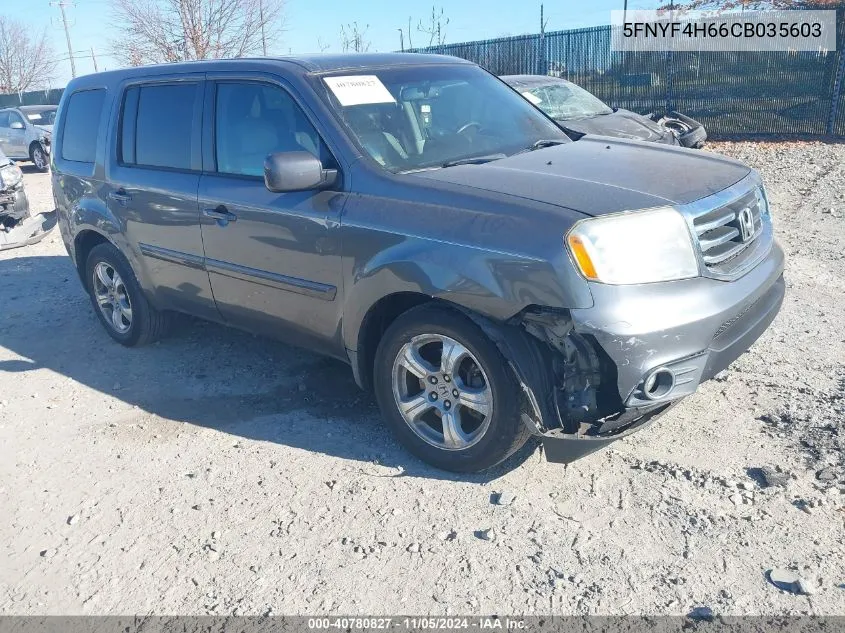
pixel 695 138
pixel 694 328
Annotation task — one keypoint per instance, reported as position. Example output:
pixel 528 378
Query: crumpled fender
pixel 492 284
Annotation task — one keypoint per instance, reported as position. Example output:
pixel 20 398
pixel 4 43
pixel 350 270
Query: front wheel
pixel 39 157
pixel 447 392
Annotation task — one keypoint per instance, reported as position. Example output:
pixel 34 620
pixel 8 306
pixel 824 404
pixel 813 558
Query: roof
pixel 328 63
pixel 532 80
pixel 308 64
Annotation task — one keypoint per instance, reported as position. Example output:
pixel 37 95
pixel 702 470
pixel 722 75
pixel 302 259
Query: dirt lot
pixel 219 473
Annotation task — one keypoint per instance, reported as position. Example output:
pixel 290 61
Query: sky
pixel 310 23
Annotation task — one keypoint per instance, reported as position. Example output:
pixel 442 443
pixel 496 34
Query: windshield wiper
pixel 473 160
pixel 543 142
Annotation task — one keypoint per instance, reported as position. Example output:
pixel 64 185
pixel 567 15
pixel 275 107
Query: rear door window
pixel 158 124
pixel 81 125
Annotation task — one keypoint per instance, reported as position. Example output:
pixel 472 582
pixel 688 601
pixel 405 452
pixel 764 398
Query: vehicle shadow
pixel 29 168
pixel 203 374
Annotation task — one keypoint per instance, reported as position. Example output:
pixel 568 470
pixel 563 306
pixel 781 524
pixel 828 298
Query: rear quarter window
pixel 81 125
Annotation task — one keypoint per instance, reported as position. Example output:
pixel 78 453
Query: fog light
pixel 658 384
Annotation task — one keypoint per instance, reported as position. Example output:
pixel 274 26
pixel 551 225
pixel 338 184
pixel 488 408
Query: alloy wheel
pixel 442 392
pixel 38 158
pixel 112 297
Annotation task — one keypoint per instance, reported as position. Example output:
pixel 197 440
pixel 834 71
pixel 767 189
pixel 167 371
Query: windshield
pixel 45 117
pixel 420 117
pixel 566 101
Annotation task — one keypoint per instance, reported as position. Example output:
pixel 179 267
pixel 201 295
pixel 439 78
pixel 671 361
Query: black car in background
pixel 579 111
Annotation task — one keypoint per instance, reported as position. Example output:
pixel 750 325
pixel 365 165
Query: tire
pixel 145 324
pixel 483 440
pixel 39 157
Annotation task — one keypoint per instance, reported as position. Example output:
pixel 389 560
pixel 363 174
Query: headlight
pixel 10 175
pixel 634 248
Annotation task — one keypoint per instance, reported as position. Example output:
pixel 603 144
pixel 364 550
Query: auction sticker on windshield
pixel 359 90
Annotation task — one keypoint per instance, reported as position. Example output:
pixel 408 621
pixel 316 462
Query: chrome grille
pixel 719 233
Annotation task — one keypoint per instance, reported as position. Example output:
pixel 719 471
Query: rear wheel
pixel 118 300
pixel 447 392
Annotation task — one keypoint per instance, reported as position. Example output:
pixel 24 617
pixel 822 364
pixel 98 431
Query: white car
pixel 26 133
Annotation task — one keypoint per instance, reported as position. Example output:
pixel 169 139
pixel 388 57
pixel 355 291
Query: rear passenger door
pixel 152 188
pixel 273 258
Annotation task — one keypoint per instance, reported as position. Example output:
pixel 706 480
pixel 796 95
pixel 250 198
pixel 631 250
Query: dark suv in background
pixel 488 277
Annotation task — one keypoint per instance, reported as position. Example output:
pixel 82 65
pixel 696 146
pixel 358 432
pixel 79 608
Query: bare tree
pixel 322 45
pixel 435 27
pixel 352 38
pixel 26 62
pixel 156 31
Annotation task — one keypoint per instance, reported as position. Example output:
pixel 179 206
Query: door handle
pixel 221 214
pixel 120 196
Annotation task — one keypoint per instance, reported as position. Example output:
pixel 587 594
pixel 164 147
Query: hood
pixel 596 176
pixel 46 128
pixel 621 124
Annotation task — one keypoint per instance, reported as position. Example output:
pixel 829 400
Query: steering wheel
pixel 467 126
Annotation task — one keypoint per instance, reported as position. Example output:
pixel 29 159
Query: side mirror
pixel 296 171
pixel 16 125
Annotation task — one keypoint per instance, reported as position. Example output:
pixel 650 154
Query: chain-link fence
pixel 733 94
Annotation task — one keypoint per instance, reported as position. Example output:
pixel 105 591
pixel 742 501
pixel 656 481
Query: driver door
pixel 5 133
pixel 17 136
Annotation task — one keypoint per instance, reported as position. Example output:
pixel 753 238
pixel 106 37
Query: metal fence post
pixel 836 94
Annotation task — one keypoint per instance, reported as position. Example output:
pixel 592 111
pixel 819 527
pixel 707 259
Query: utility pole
pixel 401 39
pixel 542 50
pixel 261 17
pixel 94 59
pixel 61 4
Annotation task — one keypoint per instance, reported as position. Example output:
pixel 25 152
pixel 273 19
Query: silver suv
pixel 26 133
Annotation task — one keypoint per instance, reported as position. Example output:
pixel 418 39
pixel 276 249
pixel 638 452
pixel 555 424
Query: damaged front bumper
pixel 593 376
pixel 688 132
pixel 684 331
pixel 28 231
pixel 14 205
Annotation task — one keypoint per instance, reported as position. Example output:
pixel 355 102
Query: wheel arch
pixel 32 147
pixel 374 324
pixel 83 244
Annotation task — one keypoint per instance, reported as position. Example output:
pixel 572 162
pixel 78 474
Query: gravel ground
pixel 219 473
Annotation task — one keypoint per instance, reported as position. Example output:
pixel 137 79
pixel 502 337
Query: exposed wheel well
pixel 384 312
pixel 82 245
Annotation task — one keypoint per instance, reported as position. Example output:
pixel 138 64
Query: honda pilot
pixel 489 278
